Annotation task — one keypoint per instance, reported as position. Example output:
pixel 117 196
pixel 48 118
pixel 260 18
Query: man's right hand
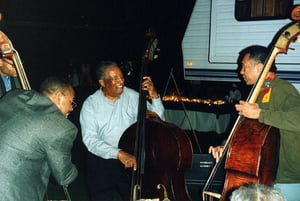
pixel 216 152
pixel 127 159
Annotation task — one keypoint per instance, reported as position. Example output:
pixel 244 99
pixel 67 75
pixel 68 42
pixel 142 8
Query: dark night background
pixel 54 36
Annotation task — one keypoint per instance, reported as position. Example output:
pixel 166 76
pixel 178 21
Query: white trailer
pixel 214 38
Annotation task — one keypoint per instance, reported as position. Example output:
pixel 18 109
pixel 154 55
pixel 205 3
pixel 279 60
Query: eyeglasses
pixel 73 103
pixel 6 61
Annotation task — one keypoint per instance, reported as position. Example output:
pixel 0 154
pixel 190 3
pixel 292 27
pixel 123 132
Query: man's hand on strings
pixel 216 152
pixel 127 159
pixel 149 86
pixel 248 110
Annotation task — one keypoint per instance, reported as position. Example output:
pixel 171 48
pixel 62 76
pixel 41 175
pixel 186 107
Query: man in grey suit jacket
pixel 36 140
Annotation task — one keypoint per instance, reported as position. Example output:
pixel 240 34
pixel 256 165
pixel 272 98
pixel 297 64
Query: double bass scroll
pixel 251 149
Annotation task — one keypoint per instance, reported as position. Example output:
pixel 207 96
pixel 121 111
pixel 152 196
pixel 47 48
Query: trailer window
pixel 262 9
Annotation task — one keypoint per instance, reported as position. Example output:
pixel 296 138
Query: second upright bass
pixel 252 148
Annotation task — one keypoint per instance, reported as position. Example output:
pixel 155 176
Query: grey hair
pixel 256 192
pixel 51 85
pixel 100 68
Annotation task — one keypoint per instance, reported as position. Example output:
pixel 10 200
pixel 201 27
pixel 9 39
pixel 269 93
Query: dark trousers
pixel 105 178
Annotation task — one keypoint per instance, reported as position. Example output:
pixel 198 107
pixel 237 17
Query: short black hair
pixel 257 53
pixel 54 84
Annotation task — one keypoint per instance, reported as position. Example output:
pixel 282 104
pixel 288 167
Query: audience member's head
pixel 256 192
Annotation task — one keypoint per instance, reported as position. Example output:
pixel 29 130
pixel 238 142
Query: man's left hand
pixel 149 86
pixel 249 110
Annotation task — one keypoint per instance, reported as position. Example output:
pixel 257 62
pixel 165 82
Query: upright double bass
pixel 252 148
pixel 163 152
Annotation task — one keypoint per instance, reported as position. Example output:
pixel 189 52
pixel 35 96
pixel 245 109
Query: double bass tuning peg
pixel 296 39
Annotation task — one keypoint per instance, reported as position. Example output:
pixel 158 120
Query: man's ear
pixel 259 67
pixel 101 82
pixel 56 97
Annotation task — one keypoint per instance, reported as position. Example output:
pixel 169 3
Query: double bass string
pixel 218 164
pixel 139 150
pixel 21 72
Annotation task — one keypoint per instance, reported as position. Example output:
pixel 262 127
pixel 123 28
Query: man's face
pixel 7 68
pixel 250 71
pixel 113 84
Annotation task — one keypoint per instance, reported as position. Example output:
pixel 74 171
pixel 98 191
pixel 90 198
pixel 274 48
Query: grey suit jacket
pixel 35 140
